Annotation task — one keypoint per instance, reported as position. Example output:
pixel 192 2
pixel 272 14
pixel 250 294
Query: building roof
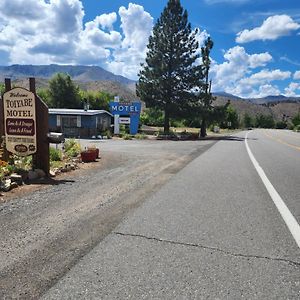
pixel 81 112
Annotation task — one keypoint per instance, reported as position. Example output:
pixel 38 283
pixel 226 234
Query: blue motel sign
pixel 133 110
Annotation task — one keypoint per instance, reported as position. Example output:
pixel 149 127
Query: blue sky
pixel 256 42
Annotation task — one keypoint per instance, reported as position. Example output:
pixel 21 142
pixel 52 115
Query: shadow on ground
pixel 226 138
pixel 48 181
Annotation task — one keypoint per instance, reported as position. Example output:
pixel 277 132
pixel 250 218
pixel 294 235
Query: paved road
pixel 211 232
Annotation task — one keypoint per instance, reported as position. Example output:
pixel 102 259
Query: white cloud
pixel 137 25
pixel 271 29
pixel 266 76
pixel 259 60
pixel 67 16
pixel 267 90
pixel 15 9
pixel 236 75
pixel 290 91
pixel 238 63
pixel 52 31
pixel 297 75
pixel 107 20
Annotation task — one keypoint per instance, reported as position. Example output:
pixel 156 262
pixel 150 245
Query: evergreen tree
pixel 63 92
pixel 264 121
pixel 248 121
pixel 170 73
pixel 2 89
pixel 206 97
pixel 296 120
pixel 45 96
pixel 232 118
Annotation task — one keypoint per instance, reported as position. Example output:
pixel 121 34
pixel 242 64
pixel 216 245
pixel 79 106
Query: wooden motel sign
pixel 20 121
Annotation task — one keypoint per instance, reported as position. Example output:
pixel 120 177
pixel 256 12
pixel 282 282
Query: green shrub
pixel 296 120
pixel 55 154
pixel 297 128
pixel 141 136
pixel 281 125
pixel 107 133
pixel 72 148
pixel 127 136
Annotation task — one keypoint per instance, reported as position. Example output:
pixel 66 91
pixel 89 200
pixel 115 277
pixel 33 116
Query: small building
pixel 79 122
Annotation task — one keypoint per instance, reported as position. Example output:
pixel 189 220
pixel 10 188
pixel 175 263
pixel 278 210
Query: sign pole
pixel 116 119
pixel 41 157
pixel 7 83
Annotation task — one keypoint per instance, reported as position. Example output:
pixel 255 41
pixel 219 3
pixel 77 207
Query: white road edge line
pixel 287 216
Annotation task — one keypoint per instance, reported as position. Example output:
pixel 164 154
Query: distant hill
pixel 224 94
pixel 274 99
pixel 277 109
pixel 265 100
pixel 87 77
pixel 125 92
pixel 80 73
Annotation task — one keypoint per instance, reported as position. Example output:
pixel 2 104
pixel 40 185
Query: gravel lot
pixel 46 229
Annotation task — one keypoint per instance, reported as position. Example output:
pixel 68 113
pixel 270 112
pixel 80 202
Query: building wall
pixel 89 125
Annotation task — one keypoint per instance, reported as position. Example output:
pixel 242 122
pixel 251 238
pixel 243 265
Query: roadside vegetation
pixel 16 165
pixel 64 93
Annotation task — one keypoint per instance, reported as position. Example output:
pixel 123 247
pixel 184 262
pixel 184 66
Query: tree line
pixel 64 93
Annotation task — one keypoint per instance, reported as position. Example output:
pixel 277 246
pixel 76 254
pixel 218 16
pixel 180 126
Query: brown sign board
pixel 19 108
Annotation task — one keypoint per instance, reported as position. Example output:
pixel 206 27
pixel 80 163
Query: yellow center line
pixel 281 141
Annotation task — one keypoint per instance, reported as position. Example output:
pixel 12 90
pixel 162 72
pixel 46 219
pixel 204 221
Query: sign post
pixel 25 124
pixel 116 119
pixel 2 130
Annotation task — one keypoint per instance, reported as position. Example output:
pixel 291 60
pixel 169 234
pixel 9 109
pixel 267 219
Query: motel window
pixel 70 121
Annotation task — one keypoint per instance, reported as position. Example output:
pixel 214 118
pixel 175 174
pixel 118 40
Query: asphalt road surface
pixel 224 226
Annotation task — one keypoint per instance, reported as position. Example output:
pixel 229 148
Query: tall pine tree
pixel 206 96
pixel 170 73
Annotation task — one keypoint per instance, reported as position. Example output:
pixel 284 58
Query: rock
pixel 32 175
pixel 41 173
pixel 24 175
pixel 56 171
pixel 13 185
pixel 6 185
pixel 52 173
pixel 16 178
pixel 76 160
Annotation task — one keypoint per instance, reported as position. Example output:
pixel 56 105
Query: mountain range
pixel 264 100
pixel 96 78
pixel 79 73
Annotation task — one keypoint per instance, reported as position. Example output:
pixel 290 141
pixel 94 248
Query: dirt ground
pixel 48 226
pixel 35 185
